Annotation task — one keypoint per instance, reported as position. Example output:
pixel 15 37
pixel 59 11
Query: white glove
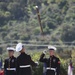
pixel 37 63
pixel 45 51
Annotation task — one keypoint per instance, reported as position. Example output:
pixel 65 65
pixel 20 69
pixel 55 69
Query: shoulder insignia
pixel 58 62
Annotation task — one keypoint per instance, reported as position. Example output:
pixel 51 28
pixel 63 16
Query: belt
pixel 12 69
pixel 25 66
pixel 48 68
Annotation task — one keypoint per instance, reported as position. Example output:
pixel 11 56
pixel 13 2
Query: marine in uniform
pixel 10 63
pixel 24 61
pixel 52 63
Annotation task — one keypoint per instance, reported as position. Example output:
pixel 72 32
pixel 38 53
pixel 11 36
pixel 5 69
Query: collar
pixel 11 57
pixel 51 56
pixel 22 52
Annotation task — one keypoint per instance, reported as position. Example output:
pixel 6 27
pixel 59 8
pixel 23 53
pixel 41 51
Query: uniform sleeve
pixel 42 59
pixel 5 66
pixel 15 66
pixel 32 63
pixel 58 67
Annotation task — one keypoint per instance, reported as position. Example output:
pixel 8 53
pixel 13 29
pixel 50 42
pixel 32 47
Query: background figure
pixel 70 68
pixel 10 63
pixel 1 63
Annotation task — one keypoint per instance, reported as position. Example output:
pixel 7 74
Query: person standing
pixel 52 63
pixel 10 62
pixel 24 61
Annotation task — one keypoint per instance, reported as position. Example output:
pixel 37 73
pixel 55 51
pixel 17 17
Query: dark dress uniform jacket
pixel 52 64
pixel 10 66
pixel 24 63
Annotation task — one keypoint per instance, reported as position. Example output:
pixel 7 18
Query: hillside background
pixel 19 23
pixel 18 20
